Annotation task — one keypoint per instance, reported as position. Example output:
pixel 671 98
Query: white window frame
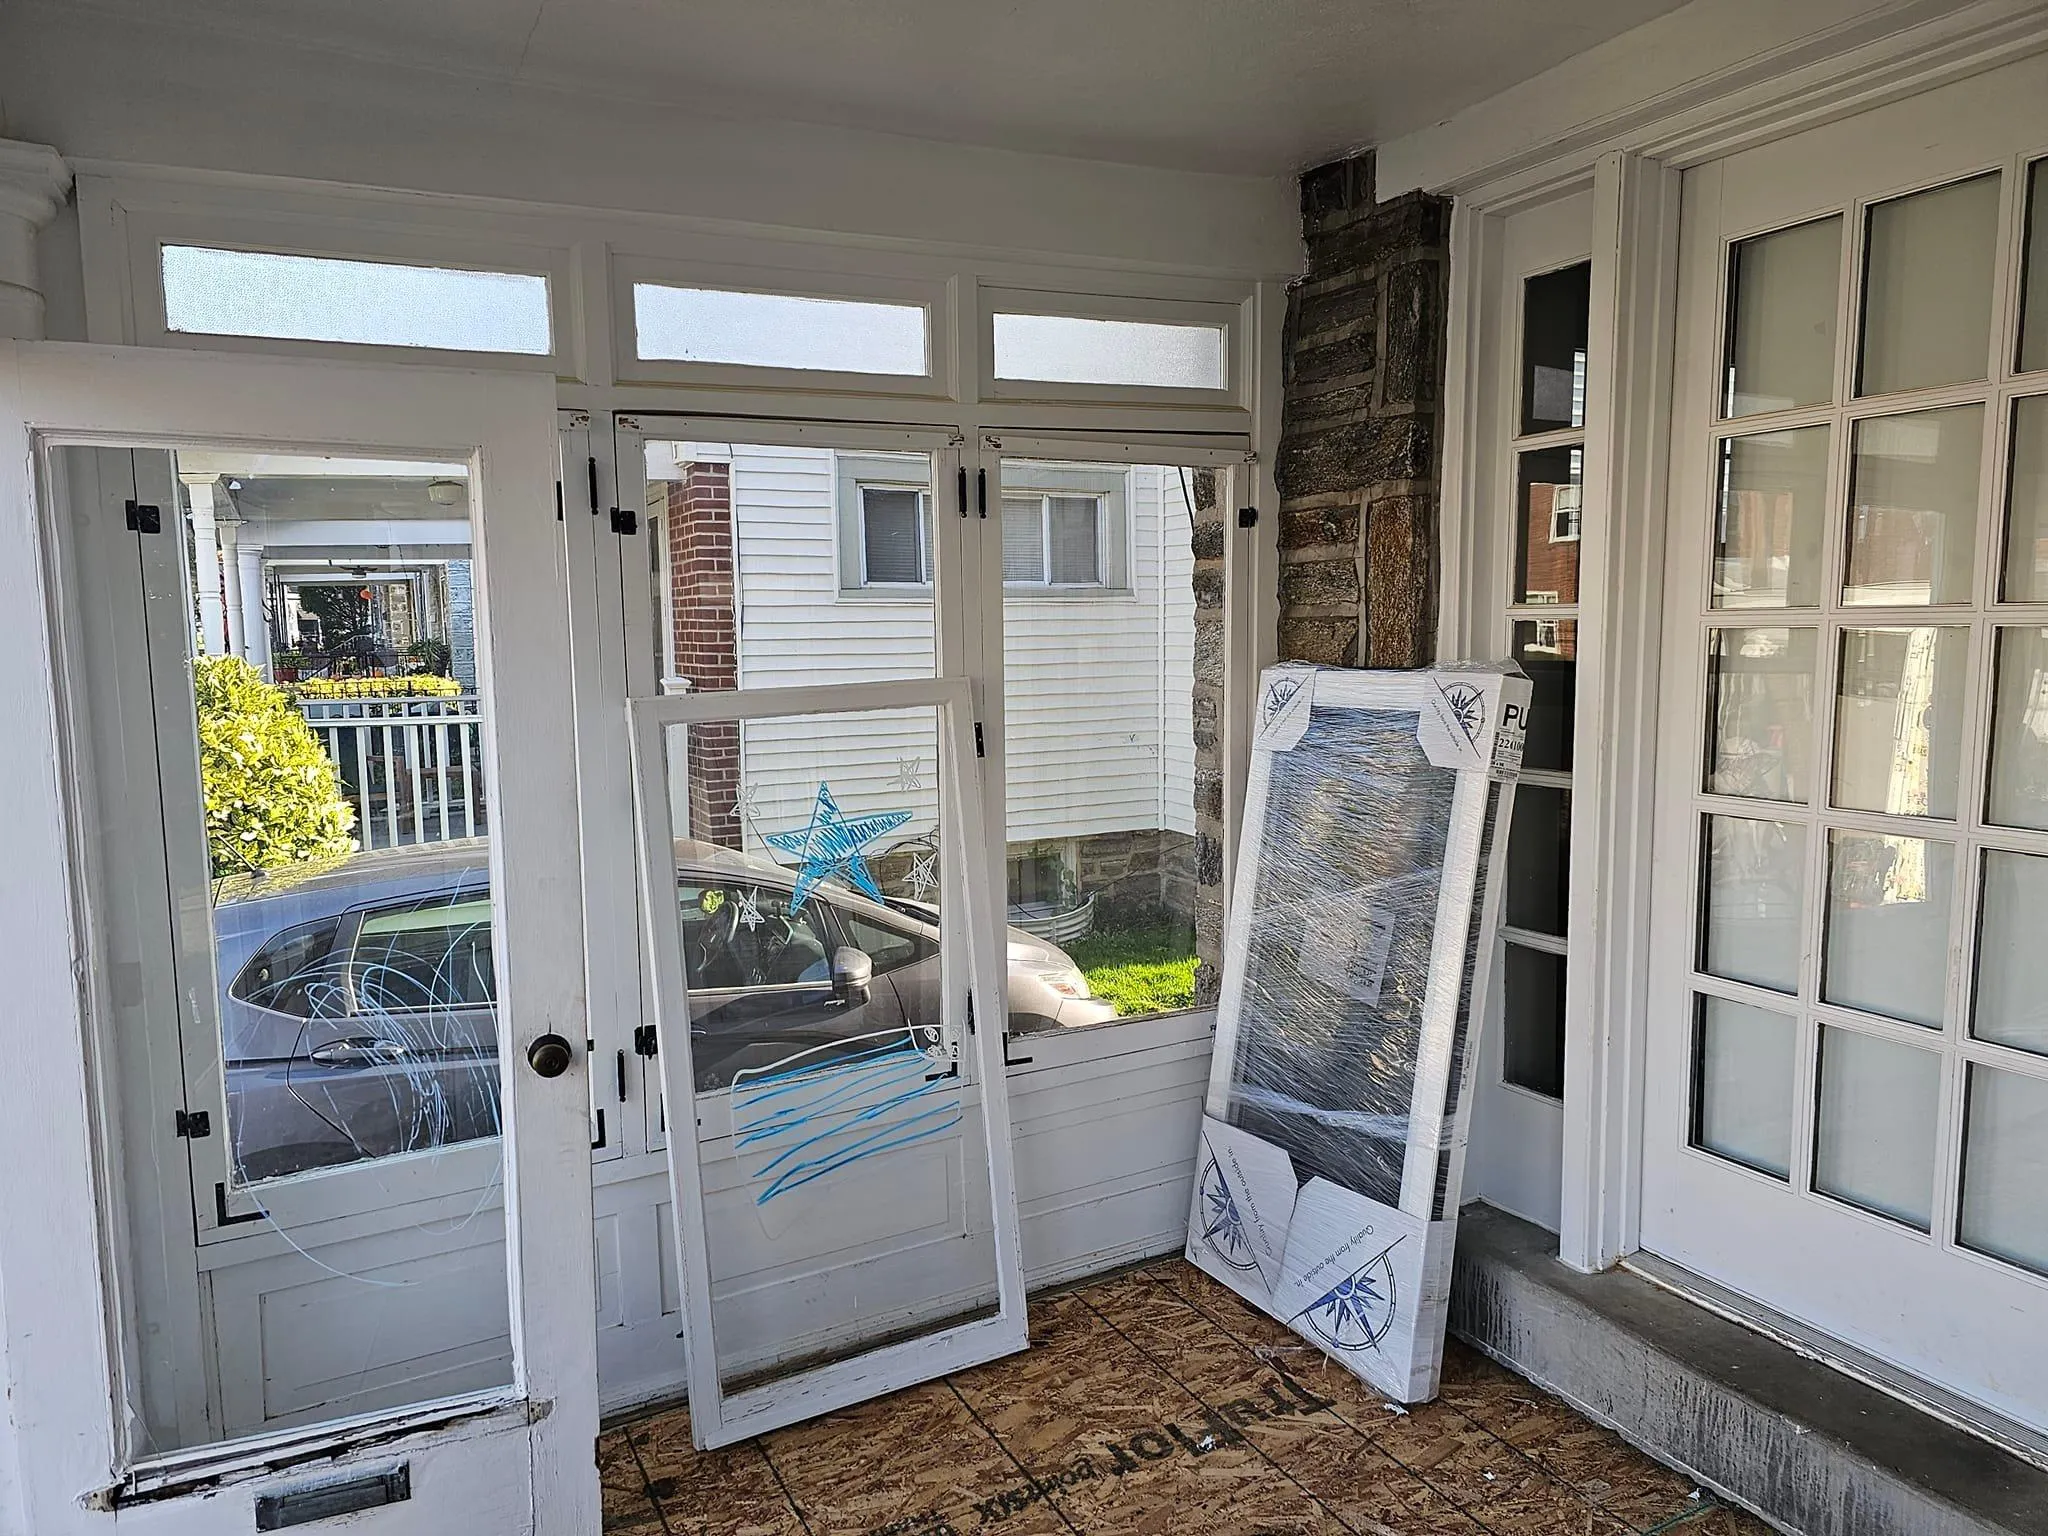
pixel 929 293
pixel 1227 317
pixel 868 582
pixel 148 229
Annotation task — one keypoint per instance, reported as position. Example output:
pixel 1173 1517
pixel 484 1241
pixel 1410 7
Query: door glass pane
pixel 2019 731
pixel 1539 859
pixel 1781 318
pixel 1548 650
pixel 1874 1144
pixel 1887 924
pixel 2034 326
pixel 1760 712
pixel 818 955
pixel 1913 508
pixel 1077 349
pixel 778 567
pixel 1547 528
pixel 299 859
pixel 1112 679
pixel 1744 1069
pixel 1555 310
pixel 2025 578
pixel 2011 1004
pixel 1752 913
pixel 1532 996
pixel 2005 1168
pixel 1899 720
pixel 1772 519
pixel 1927 287
pixel 779 330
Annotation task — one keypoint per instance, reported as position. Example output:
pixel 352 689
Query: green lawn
pixel 1141 970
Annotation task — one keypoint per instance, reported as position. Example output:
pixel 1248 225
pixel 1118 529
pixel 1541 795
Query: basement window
pixel 779 330
pixel 215 292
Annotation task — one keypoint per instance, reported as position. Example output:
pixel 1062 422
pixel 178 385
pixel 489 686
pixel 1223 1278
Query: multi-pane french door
pixel 1847 1110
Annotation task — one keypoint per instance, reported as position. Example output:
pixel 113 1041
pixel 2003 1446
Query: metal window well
pixel 1361 928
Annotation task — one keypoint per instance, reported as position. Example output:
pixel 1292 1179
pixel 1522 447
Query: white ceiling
pixel 1260 87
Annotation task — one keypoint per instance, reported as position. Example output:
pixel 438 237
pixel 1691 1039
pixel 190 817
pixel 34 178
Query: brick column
pixel 705 641
pixel 1361 424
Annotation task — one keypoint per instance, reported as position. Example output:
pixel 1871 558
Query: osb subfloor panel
pixel 1154 1403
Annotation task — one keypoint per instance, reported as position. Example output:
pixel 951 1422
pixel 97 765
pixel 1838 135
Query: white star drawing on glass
pixel 832 844
pixel 749 914
pixel 746 807
pixel 923 876
pixel 909 773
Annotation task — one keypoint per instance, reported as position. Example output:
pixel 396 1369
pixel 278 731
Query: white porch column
pixel 34 181
pixel 226 530
pixel 255 627
pixel 213 618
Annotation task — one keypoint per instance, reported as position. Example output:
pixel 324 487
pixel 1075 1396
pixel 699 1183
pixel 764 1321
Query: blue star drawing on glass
pixel 831 845
pixel 805 1117
pixel 1223 1225
pixel 1356 1313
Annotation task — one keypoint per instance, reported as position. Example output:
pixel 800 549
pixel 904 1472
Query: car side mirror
pixel 853 975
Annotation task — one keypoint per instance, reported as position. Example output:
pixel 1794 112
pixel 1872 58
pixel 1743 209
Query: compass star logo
pixel 832 845
pixel 1468 708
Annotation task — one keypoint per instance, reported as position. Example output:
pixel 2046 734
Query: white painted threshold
pixel 1951 1408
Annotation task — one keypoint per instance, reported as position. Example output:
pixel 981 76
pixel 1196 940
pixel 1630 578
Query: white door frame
pixel 518 1458
pixel 719 1417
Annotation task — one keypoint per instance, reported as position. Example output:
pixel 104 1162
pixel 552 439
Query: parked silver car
pixel 358 1007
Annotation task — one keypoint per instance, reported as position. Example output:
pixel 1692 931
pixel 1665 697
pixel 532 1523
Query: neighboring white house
pixel 780 566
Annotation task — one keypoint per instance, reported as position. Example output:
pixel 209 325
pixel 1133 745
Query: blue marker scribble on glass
pixel 831 845
pixel 798 1121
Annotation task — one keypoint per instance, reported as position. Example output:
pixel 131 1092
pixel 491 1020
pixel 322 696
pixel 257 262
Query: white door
pixel 323 839
pixel 1847 1108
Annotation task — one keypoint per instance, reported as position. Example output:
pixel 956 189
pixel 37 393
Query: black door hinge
pixel 1247 517
pixel 625 520
pixel 143 518
pixel 192 1124
pixel 645 1042
pixel 558 501
pixel 980 746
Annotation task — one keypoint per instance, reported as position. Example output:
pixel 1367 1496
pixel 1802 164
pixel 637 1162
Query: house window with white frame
pixel 895 527
pixel 1053 539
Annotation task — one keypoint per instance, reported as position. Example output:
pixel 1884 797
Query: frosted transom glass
pixel 1887 924
pixel 1913 508
pixel 2019 731
pixel 1743 1083
pixel 212 292
pixel 2011 1006
pixel 779 330
pixel 1077 349
pixel 1781 318
pixel 1753 898
pixel 1899 720
pixel 1760 712
pixel 2025 577
pixel 1772 520
pixel 2005 1168
pixel 1927 287
pixel 1874 1145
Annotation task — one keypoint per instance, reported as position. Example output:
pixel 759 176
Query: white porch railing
pixel 413 767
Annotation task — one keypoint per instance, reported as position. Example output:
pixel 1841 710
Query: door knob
pixel 550 1055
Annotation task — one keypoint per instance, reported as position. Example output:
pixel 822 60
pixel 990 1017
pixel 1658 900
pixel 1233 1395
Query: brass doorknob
pixel 550 1055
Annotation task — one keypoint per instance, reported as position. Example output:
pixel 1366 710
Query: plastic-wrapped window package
pixel 1361 929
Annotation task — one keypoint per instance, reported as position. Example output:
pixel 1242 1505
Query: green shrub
pixel 272 799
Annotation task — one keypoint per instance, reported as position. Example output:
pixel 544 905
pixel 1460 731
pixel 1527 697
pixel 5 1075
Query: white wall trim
pixel 1726 74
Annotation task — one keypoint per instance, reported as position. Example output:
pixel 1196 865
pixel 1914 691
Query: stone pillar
pixel 1210 533
pixel 1361 424
pixel 213 618
pixel 34 182
pixel 255 626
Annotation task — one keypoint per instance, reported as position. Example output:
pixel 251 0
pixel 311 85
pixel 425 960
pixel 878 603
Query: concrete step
pixel 1811 1449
